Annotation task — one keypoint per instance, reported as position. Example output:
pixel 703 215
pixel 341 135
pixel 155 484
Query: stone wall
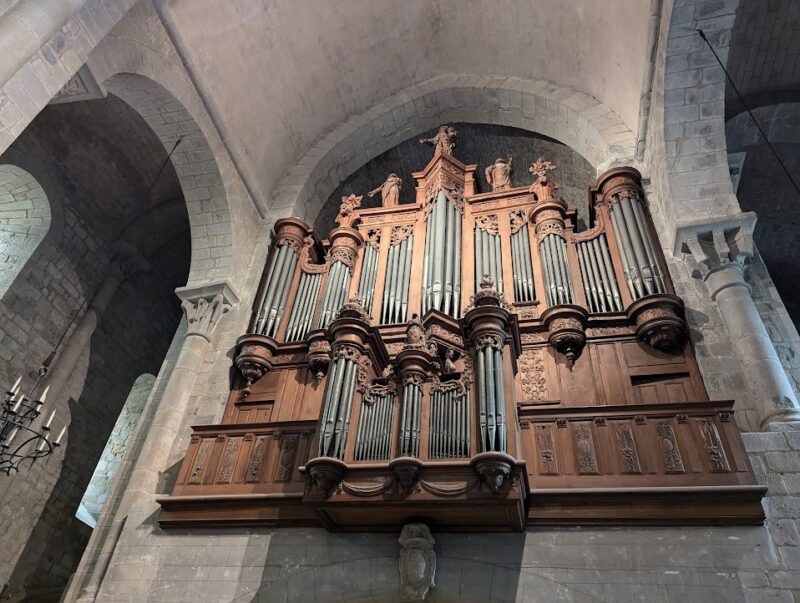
pixel 709 564
pixel 95 190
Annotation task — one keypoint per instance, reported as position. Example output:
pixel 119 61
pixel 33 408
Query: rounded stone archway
pixel 24 221
pixel 195 166
pixel 574 118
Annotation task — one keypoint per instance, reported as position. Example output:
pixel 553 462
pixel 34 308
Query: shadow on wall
pixel 304 565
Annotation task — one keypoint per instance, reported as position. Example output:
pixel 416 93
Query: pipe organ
pixel 472 359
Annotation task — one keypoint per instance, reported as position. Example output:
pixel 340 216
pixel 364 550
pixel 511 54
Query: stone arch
pixel 24 221
pixel 576 119
pixel 196 167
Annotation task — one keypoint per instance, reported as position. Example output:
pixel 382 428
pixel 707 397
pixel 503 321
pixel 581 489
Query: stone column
pixel 718 251
pixel 203 305
pixel 128 261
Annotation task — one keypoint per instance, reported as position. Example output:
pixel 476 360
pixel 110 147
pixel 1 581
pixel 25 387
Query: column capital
pixel 205 304
pixel 712 244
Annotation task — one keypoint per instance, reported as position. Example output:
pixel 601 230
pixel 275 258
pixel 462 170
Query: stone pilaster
pixel 204 305
pixel 718 251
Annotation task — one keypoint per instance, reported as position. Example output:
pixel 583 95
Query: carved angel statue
pixel 346 215
pixel 449 361
pixel 388 372
pixel 498 175
pixel 444 141
pixel 389 190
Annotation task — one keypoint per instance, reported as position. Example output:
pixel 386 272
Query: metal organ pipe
pixel 449 424
pixel 521 261
pixel 441 274
pixel 395 292
pixel 366 283
pixel 488 259
pixel 558 282
pixel 276 289
pixel 300 318
pixel 410 419
pixel 490 384
pixel 636 247
pixel 335 293
pixel 375 429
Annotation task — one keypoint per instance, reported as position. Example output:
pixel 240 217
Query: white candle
pixel 16 385
pixel 17 404
pixel 44 393
pixel 42 443
pixel 60 435
pixel 50 419
pixel 11 437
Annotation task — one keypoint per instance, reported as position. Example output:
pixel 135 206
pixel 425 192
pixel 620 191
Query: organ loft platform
pixel 472 361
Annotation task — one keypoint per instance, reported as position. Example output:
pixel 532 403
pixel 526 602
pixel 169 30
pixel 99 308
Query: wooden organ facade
pixel 472 361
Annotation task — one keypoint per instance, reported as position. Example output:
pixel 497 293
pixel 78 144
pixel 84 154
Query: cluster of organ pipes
pixel 335 292
pixel 557 278
pixel 599 284
pixel 303 309
pixel 488 257
pixel 637 248
pixel 398 275
pixel 490 384
pixel 337 406
pixel 377 265
pixel 374 437
pixel 410 418
pixel 449 425
pixel 369 272
pixel 524 289
pixel 441 272
pixel 273 296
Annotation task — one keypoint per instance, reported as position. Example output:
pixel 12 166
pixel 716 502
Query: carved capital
pixel 205 304
pixel 711 245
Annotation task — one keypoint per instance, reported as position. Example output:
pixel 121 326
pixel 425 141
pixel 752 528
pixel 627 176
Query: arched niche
pixel 24 221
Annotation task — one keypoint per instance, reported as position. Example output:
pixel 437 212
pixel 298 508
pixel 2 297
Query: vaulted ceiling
pixel 283 74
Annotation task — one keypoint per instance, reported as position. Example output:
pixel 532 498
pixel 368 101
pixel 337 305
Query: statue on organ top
pixel 498 175
pixel 444 141
pixel 389 190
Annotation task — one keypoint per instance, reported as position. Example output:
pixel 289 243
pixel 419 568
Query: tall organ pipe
pixel 523 270
pixel 410 419
pixel 488 259
pixel 276 290
pixel 300 318
pixel 636 246
pixel 395 292
pixel 558 281
pixel 335 293
pixel 366 283
pixel 449 425
pixel 441 273
pixel 490 385
pixel 374 429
